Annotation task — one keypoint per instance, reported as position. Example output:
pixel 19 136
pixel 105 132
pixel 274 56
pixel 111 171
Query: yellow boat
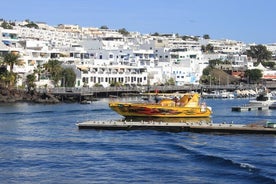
pixel 188 106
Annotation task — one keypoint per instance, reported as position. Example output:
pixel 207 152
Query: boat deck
pixel 177 127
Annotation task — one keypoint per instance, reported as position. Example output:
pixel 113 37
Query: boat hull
pixel 155 110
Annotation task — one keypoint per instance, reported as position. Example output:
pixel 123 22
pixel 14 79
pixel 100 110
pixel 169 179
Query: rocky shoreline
pixel 15 95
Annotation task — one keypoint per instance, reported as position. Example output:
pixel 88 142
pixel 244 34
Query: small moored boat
pixel 188 106
pixel 263 99
pixel 86 102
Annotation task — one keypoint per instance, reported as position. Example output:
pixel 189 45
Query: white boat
pixel 213 94
pixel 226 94
pixel 86 102
pixel 272 106
pixel 218 94
pixel 270 124
pixel 263 99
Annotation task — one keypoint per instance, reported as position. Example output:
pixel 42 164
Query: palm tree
pixel 39 70
pixel 30 81
pixel 11 59
pixel 68 77
pixel 53 67
pixel 4 76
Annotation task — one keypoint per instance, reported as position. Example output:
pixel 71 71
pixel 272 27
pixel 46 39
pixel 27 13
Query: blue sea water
pixel 42 144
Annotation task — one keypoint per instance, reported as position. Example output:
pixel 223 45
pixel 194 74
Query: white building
pixel 186 66
pixel 225 46
pixel 107 75
pixel 104 56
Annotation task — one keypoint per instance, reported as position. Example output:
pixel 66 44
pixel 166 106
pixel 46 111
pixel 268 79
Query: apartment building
pixel 103 56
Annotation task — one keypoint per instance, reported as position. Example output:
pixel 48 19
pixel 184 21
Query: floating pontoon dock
pixel 249 108
pixel 177 127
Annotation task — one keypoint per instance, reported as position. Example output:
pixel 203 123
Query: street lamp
pixel 227 80
pixel 210 80
pixel 63 81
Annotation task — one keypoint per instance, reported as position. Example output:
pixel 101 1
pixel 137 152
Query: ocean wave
pixel 27 113
pixel 252 173
pixel 247 166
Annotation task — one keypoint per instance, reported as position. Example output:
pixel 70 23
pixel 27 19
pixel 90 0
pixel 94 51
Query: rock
pixel 15 95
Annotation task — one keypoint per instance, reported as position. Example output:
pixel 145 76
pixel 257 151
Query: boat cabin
pixel 187 100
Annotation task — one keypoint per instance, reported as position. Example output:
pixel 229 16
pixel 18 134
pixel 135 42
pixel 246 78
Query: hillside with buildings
pixel 106 57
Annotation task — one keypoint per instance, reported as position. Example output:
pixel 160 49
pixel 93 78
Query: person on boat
pixel 156 99
pixel 176 100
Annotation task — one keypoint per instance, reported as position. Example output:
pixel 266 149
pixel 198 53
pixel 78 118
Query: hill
pixel 222 78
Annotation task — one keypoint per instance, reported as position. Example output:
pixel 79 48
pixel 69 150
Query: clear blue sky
pixel 244 20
